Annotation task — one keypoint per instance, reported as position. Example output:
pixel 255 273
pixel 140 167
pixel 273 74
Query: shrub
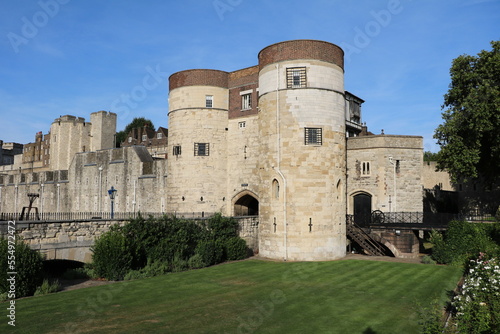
pixel 178 264
pixel 478 304
pixel 461 242
pixel 210 251
pixel 156 268
pixel 430 318
pixel 196 262
pixel 428 260
pixel 47 288
pixel 138 248
pixel 150 270
pixel 222 227
pixel 111 256
pixel 236 248
pixel 28 265
pixel 134 274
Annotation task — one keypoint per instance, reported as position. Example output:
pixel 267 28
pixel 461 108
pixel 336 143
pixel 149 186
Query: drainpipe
pixel 58 196
pixel 99 195
pixel 277 169
pixel 394 173
pixel 134 202
pixel 15 198
pixel 41 197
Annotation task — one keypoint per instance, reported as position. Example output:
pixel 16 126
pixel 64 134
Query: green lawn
pixel 347 296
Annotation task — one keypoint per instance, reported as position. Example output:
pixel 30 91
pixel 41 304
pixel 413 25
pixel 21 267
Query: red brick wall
pixel 301 49
pixel 199 78
pixel 239 81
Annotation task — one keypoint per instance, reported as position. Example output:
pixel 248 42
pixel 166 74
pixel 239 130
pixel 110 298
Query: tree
pixel 469 140
pixel 137 122
pixel 430 156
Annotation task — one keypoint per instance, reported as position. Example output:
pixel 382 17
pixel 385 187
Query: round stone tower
pixel 198 116
pixel 303 151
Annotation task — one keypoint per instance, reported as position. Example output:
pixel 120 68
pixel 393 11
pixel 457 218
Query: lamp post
pixel 111 193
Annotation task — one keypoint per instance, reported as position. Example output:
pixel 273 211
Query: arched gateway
pixel 246 204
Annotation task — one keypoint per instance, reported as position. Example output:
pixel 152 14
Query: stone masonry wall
pixel 378 181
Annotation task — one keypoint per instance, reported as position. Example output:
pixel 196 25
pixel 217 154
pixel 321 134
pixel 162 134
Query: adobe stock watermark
pixel 139 93
pixel 363 36
pixel 11 272
pixel 223 6
pixel 30 27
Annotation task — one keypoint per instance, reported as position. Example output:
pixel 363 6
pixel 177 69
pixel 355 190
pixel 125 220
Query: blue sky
pixel 74 57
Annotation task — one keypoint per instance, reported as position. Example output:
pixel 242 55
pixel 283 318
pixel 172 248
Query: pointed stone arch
pixel 245 203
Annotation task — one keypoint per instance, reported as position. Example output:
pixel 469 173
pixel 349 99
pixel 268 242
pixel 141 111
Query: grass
pixel 347 296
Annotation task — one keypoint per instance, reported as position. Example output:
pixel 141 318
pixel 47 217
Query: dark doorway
pixel 246 206
pixel 362 209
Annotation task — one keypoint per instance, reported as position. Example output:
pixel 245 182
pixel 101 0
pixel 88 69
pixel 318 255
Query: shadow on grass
pixel 369 330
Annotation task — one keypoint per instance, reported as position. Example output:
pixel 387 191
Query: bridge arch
pixel 245 203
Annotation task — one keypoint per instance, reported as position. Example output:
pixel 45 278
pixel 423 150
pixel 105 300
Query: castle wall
pixel 197 145
pixel 370 171
pixel 139 181
pixel 242 160
pixel 103 130
pixel 53 187
pixel 302 211
pixel 432 178
pixel 69 135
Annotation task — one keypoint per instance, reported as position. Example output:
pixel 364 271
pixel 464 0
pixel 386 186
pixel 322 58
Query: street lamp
pixel 111 193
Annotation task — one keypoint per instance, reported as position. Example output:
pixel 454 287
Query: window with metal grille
pixel 296 77
pixel 201 149
pixel 246 102
pixel 209 101
pixel 313 136
pixel 365 168
pixel 177 150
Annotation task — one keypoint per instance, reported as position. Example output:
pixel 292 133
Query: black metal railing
pixel 424 219
pixel 70 216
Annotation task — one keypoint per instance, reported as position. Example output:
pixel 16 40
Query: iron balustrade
pixel 423 219
pixel 84 216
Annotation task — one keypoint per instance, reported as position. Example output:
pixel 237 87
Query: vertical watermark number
pixel 11 272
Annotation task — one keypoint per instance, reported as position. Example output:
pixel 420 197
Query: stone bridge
pixel 72 240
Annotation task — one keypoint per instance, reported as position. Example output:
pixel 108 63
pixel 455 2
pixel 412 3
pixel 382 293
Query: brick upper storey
pixel 301 49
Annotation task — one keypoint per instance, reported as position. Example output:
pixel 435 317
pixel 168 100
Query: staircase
pixel 364 240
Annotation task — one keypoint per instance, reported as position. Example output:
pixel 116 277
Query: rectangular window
pixel 144 137
pixel 296 77
pixel 201 149
pixel 242 124
pixel 313 136
pixel 246 102
pixel 209 101
pixel 159 135
pixel 177 150
pixel 365 168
